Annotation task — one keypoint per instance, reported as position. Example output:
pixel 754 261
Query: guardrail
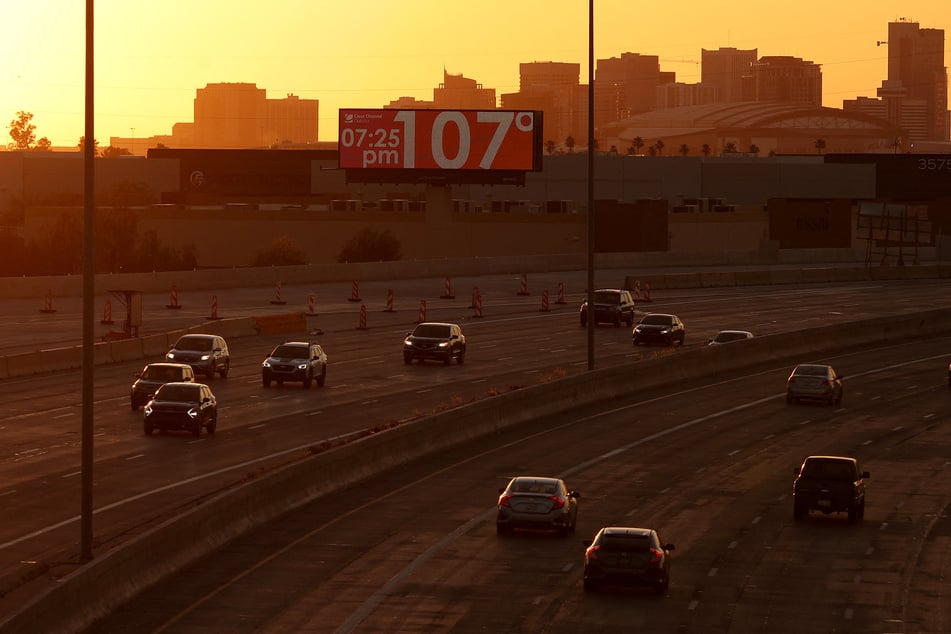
pixel 103 584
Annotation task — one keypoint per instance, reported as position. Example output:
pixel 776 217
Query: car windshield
pixel 290 352
pixel 625 542
pixel 435 331
pixel 194 343
pixel 828 469
pixel 181 393
pixel 812 370
pixel 657 320
pixel 548 487
pixel 607 297
pixel 162 373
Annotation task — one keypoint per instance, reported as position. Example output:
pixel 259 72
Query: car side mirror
pixel 669 547
pixel 575 494
pixel 866 474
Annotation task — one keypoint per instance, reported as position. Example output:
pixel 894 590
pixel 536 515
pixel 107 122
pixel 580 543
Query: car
pixel 206 354
pixel 815 382
pixel 295 361
pixel 435 340
pixel 182 406
pixel 153 376
pixel 627 556
pixel 611 305
pixel 729 336
pixel 660 328
pixel 830 484
pixel 536 502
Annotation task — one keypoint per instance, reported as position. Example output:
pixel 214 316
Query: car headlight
pixel 267 363
pixel 170 355
pixel 148 410
pixel 205 357
pixel 302 366
pixel 407 343
pixel 443 344
pixel 193 412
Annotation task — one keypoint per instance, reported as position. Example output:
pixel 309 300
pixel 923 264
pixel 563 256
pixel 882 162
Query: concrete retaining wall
pixel 105 583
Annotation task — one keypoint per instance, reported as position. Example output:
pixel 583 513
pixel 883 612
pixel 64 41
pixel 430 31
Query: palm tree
pixel 570 143
pixel 705 149
pixel 637 144
pixel 729 148
pixel 660 146
pixel 754 149
pixel 684 150
pixel 550 146
pixel 820 145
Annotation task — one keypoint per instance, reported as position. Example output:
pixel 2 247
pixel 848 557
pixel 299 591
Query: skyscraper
pixel 725 68
pixel 916 67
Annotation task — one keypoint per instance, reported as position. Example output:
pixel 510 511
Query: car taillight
pixel 504 501
pixel 656 556
pixel 592 551
pixel 827 383
pixel 557 502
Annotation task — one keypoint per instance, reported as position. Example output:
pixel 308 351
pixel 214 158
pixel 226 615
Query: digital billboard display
pixel 440 140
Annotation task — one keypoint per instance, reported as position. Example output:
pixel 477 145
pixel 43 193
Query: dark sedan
pixel 540 503
pixel 660 328
pixel 182 406
pixel 627 556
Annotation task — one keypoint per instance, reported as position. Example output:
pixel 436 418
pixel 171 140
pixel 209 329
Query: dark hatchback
pixel 182 406
pixel 660 328
pixel 627 556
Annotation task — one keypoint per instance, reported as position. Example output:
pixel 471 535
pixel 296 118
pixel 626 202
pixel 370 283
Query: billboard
pixel 440 144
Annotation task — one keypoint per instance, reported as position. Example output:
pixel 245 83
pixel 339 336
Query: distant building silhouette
pixel 725 69
pixel 553 88
pixel 627 85
pixel 460 93
pixel 787 79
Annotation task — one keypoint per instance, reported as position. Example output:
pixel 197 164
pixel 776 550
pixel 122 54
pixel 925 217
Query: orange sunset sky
pixel 152 55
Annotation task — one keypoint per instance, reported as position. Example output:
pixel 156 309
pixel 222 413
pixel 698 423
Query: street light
pixel 590 249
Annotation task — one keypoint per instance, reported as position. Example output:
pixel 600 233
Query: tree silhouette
pixel 754 149
pixel 705 149
pixel 23 133
pixel 82 145
pixel 660 146
pixel 820 145
pixel 550 146
pixel 570 143
pixel 729 148
pixel 637 143
pixel 684 150
pixel 112 152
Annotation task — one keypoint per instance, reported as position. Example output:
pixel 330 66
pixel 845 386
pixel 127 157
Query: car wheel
pixel 322 378
pixel 407 358
pixel 135 406
pixel 447 359
pixel 636 342
pixel 853 513
pixel 223 372
pixel 789 399
pixel 862 510
pixel 196 429
pixel 212 425
pixel 584 322
pixel 308 380
pixel 630 321
pixel 661 588
pixel 266 381
pixel 589 586
pixel 502 529
pixel 461 358
pixel 148 429
pixel 838 399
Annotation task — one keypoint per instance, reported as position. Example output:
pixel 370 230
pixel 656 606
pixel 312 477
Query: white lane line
pixel 370 402
pixel 136 456
pixel 257 426
pixel 713 572
pixel 734 452
pixel 314 413
pixel 733 545
pixel 71 475
pixel 479 381
pixel 10 492
pixel 538 600
pixel 693 605
pixel 567 567
pixel 848 614
pixel 756 520
pixel 424 391
pixel 66 415
pixel 375 362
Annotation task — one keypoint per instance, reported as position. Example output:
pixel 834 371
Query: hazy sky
pixel 152 55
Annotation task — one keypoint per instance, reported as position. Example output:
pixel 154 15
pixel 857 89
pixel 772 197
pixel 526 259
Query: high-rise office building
pixel 627 85
pixel 458 92
pixel 916 67
pixel 787 79
pixel 553 88
pixel 725 69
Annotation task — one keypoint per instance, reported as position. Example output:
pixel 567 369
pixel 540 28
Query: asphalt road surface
pixel 141 480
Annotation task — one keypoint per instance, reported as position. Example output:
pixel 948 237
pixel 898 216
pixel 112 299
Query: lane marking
pixel 136 456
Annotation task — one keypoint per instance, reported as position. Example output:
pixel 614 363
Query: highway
pixel 140 481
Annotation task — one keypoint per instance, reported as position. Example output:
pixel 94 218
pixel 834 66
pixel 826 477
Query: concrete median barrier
pixel 714 279
pixel 785 276
pixel 758 277
pixel 103 584
pixel 818 275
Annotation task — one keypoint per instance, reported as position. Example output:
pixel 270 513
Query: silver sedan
pixel 540 503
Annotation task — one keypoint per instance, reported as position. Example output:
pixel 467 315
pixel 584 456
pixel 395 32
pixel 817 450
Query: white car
pixel 729 336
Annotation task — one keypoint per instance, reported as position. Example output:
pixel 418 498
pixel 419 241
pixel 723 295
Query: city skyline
pixel 149 66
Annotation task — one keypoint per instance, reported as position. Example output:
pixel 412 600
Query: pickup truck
pixel 830 484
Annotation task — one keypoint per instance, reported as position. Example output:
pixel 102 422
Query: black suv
pixel 206 354
pixel 295 361
pixel 611 305
pixel 433 340
pixel 182 406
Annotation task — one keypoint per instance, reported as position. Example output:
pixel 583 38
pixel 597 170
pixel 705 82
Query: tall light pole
pixel 89 290
pixel 590 320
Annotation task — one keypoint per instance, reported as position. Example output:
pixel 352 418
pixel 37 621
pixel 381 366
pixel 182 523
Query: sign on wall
pixel 439 142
